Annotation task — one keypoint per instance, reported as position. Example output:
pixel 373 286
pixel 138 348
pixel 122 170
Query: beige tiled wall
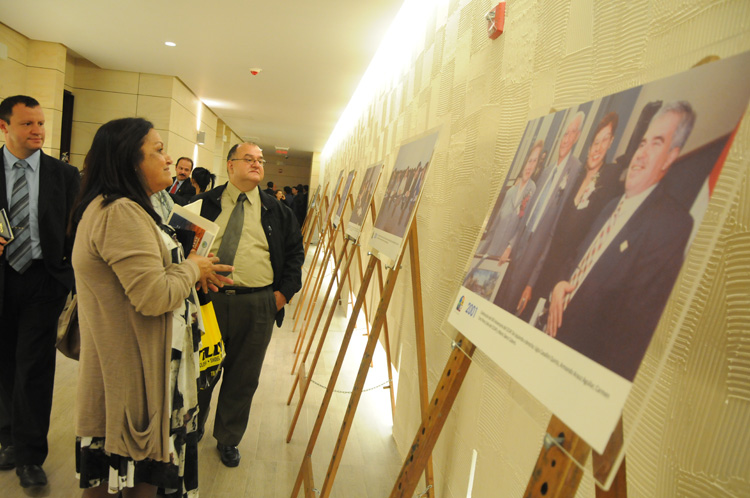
pixel 481 94
pixel 37 69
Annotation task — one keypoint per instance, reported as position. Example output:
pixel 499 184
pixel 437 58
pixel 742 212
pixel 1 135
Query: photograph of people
pixel 610 303
pixel 364 196
pixel 136 407
pixel 598 184
pixel 528 247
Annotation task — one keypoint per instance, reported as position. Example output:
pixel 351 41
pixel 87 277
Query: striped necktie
pixel 18 252
pixel 591 256
pixel 232 233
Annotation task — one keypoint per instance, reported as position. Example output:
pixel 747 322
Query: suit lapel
pixel 4 201
pixel 46 186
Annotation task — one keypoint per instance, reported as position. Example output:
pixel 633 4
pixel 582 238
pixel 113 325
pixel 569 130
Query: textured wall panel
pixel 692 409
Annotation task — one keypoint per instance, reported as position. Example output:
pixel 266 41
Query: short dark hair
pixel 187 159
pixel 288 189
pixel 203 177
pixel 269 184
pixel 7 105
pixel 111 168
pixel 234 149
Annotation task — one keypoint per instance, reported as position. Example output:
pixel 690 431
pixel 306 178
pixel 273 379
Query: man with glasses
pixel 260 237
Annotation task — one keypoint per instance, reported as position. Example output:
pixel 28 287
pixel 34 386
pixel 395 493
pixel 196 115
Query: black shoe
pixel 31 475
pixel 7 458
pixel 230 455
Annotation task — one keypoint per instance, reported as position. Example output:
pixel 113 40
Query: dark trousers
pixel 28 328
pixel 246 323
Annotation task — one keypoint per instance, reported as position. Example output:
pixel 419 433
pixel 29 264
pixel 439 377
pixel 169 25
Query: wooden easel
pixel 327 239
pixel 330 250
pixel 318 283
pixel 307 241
pixel 303 378
pixel 312 219
pixel 555 475
pixel 305 473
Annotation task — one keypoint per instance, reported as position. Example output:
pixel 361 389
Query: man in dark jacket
pixel 35 277
pixel 260 237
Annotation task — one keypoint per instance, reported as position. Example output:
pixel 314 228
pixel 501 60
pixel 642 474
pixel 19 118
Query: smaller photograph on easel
pixel 314 201
pixel 332 199
pixel 401 197
pixel 344 195
pixel 362 203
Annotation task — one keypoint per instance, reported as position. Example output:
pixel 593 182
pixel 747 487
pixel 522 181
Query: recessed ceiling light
pixel 170 44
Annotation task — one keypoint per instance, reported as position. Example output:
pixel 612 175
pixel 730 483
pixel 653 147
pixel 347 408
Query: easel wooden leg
pixel 555 475
pixel 308 478
pixel 308 277
pixel 359 383
pixel 322 308
pixel 387 340
pixel 440 406
pixel 336 369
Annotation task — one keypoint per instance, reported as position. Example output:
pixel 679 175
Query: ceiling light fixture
pixel 170 44
pixel 255 70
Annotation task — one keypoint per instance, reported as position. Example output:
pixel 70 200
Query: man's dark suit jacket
pixel 282 233
pixel 184 193
pixel 58 187
pixel 617 307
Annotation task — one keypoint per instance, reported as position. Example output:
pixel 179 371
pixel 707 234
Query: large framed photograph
pixel 401 197
pixel 364 198
pixel 344 195
pixel 582 248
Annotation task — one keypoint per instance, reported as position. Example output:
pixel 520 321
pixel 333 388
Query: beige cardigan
pixel 127 286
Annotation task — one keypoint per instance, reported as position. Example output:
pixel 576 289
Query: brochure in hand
pixel 183 219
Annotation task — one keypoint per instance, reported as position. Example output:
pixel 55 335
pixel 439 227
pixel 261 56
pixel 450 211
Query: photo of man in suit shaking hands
pixel 35 278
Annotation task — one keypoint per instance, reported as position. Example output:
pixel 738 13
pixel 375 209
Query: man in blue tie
pixel 35 278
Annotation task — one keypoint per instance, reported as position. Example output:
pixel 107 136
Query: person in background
pixel 136 408
pixel 181 188
pixel 270 189
pixel 202 180
pixel 280 196
pixel 289 193
pixel 35 278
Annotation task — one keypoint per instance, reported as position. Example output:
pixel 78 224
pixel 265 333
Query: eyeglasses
pixel 251 160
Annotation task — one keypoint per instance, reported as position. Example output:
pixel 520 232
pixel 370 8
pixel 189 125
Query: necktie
pixel 588 260
pixel 232 233
pixel 18 252
pixel 174 187
pixel 541 199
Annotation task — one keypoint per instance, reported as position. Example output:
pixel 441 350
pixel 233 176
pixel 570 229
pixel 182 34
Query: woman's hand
pixel 209 278
pixel 2 245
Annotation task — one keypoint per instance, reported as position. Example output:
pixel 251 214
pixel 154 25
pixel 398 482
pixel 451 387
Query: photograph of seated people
pixel 35 278
pixel 181 189
pixel 137 400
